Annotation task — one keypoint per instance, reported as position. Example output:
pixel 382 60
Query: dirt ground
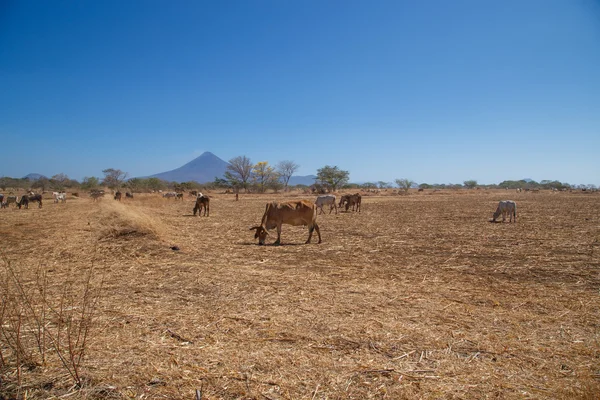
pixel 415 297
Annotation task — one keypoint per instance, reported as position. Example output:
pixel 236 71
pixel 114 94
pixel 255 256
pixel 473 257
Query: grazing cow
pixel 353 200
pixel 59 196
pixel 25 200
pixel 129 195
pixel 299 212
pixel 193 193
pixel 96 194
pixel 506 207
pixel 179 196
pixel 36 197
pixel 118 196
pixel 202 201
pixel 168 195
pixel 9 200
pixel 327 199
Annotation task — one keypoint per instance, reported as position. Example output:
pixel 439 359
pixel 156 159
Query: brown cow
pixel 299 212
pixel 202 201
pixel 118 196
pixel 353 200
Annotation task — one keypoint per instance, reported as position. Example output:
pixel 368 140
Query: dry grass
pixel 415 297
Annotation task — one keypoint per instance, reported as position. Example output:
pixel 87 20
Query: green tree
pixel 332 177
pixel 239 172
pixel 404 184
pixel 286 169
pixel 113 178
pixel 155 184
pixel 221 183
pixel 41 184
pixel 369 185
pixel 135 184
pixel 275 185
pixel 89 183
pixel 5 182
pixel 470 184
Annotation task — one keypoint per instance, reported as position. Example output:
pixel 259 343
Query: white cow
pixel 59 196
pixel 506 207
pixel 327 199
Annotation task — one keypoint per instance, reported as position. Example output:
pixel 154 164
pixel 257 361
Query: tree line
pixel 243 174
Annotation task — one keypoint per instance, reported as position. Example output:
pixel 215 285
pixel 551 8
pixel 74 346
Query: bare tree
pixel 404 184
pixel 286 169
pixel 113 178
pixel 239 171
pixel 60 181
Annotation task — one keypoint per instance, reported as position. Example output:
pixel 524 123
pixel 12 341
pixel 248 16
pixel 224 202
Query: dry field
pixel 416 297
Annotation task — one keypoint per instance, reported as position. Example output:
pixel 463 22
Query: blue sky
pixel 435 91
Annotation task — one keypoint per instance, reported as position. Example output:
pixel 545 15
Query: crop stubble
pixel 417 296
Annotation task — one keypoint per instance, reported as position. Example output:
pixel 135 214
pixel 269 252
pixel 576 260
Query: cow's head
pixel 260 234
pixel 496 215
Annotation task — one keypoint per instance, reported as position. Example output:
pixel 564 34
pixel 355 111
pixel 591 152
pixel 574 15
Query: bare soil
pixel 416 296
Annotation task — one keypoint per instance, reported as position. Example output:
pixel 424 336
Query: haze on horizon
pixel 433 91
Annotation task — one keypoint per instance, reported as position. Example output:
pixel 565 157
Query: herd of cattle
pixel 296 213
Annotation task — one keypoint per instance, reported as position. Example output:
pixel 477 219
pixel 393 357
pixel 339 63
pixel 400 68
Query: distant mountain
pixel 34 177
pixel 302 180
pixel 205 168
pixel 202 169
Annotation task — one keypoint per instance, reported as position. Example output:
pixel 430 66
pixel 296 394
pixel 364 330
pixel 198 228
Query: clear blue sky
pixel 435 91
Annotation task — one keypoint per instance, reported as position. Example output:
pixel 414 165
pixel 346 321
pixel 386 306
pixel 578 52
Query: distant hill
pixel 34 177
pixel 302 180
pixel 207 166
pixel 202 169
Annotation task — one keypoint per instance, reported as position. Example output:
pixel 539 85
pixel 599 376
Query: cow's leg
pixel 278 241
pixel 207 209
pixel 310 231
